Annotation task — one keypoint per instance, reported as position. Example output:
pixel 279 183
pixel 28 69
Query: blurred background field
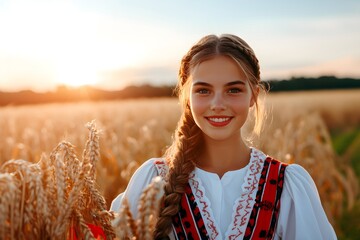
pixel 318 129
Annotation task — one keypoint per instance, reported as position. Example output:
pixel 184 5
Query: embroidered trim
pixel 258 204
pixel 161 167
pixel 280 186
pixel 189 223
pixel 204 206
pixel 244 204
pixel 264 215
pixel 188 200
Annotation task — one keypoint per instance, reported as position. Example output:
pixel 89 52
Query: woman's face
pixel 220 97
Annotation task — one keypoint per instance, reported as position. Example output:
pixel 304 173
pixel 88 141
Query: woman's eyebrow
pixel 199 83
pixel 234 83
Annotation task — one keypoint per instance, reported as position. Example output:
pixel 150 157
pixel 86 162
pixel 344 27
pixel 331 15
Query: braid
pixel 181 164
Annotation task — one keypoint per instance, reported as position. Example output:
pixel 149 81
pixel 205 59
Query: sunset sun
pixel 76 77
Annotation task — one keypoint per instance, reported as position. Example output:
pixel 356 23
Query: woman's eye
pixel 234 90
pixel 203 91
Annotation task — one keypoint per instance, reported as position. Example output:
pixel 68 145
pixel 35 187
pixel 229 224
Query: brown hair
pixel 185 148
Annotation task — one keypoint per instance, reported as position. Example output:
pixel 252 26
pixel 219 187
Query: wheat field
pixel 41 170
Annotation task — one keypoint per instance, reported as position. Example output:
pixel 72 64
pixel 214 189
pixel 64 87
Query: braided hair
pixel 186 147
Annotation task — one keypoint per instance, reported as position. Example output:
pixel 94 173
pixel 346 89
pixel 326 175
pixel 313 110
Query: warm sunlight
pixel 73 51
pixel 75 77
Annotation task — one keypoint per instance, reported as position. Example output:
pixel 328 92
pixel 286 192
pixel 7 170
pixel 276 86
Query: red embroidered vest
pixel 189 223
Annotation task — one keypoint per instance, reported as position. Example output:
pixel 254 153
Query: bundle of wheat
pixel 55 198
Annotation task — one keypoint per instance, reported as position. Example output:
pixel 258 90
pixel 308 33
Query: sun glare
pixel 76 78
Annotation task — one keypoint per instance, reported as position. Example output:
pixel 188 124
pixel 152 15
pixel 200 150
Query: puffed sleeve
pixel 301 214
pixel 140 179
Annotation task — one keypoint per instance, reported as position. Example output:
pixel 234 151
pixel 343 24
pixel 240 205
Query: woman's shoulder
pixel 297 171
pixel 149 169
pixel 149 163
pixel 297 179
pixel 296 176
pixel 139 180
pixel 301 207
pixel 291 168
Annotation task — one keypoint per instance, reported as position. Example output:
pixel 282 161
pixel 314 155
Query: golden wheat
pixel 133 131
pixel 127 226
pixel 53 197
pixel 306 141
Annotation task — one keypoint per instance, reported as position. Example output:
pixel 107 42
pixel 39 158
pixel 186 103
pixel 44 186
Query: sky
pixel 113 43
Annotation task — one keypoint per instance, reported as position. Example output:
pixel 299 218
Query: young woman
pixel 216 186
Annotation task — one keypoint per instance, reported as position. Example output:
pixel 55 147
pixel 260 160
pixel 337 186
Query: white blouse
pixel 301 213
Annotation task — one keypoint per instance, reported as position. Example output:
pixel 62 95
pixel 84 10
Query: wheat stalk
pixel 127 227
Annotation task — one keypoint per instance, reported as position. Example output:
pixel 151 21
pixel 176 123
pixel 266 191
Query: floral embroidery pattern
pixel 204 205
pixel 245 203
pixel 161 167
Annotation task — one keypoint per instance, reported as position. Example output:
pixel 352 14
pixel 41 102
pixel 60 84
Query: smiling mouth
pixel 219 121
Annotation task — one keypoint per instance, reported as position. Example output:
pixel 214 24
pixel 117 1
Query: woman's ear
pixel 255 94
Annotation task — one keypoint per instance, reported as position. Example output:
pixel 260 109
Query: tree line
pixel 87 93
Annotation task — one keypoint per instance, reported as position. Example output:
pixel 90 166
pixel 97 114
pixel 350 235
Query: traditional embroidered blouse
pixel 225 204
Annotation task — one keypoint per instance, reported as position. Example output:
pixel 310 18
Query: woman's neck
pixel 222 156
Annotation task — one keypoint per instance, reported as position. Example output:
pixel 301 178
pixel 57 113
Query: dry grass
pixel 133 131
pixel 339 109
pixel 306 141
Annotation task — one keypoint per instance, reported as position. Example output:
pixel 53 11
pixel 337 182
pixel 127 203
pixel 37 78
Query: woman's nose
pixel 217 103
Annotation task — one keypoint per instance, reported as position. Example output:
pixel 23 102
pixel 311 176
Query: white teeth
pixel 219 119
